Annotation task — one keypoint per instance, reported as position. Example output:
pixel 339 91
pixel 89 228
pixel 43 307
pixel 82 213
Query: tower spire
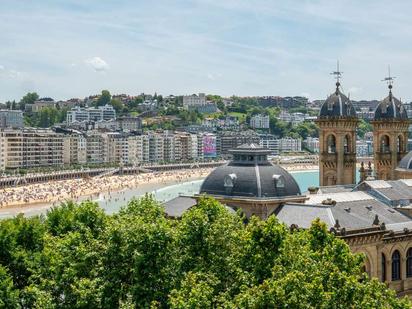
pixel 389 81
pixel 337 75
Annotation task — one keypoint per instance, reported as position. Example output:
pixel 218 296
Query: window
pixel 409 263
pixel 396 266
pixel 331 144
pixel 279 181
pixel 346 144
pixel 400 144
pixel 383 261
pixel 385 144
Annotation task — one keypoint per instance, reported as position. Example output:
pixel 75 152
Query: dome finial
pixel 389 80
pixel 337 74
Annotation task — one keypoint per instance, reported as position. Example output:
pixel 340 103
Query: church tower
pixel 337 123
pixel 390 135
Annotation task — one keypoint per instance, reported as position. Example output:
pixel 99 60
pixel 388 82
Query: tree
pixel 9 296
pixel 29 98
pixel 364 127
pixel 79 257
pixel 117 105
pixel 104 98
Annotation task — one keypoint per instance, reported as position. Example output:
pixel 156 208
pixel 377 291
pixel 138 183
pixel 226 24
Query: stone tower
pixel 337 123
pixel 390 135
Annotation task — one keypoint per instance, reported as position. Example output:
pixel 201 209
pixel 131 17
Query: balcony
pixel 383 156
pixel 328 157
pixel 349 157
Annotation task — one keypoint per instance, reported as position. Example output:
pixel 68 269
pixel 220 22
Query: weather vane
pixel 389 79
pixel 337 73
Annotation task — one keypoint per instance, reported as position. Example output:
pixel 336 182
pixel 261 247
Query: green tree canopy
pixel 79 257
pixel 104 98
pixel 29 98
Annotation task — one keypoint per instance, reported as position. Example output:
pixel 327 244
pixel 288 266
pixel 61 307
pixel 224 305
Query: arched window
pixel 346 144
pixel 400 144
pixel 331 140
pixel 396 266
pixel 409 263
pixel 383 261
pixel 385 144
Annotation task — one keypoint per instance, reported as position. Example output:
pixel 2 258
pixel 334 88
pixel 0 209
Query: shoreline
pixel 46 195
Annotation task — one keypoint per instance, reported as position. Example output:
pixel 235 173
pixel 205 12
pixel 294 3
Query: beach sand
pixel 56 192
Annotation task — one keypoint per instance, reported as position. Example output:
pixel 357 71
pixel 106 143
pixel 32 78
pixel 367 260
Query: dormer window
pixel 279 181
pixel 330 106
pixel 229 183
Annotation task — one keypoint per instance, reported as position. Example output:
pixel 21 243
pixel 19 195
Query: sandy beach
pixel 55 192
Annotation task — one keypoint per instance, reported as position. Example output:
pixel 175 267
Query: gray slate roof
pixel 337 105
pixel 390 108
pixel 354 210
pixel 391 191
pixel 177 206
pixel 251 181
pixel 406 162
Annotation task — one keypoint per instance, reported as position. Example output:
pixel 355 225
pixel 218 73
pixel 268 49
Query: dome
pixel 250 174
pixel 406 162
pixel 337 105
pixel 390 108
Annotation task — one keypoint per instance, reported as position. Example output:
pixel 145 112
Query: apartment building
pixel 28 148
pixel 78 114
pixel 312 143
pixel 74 149
pixel 156 148
pixel 194 100
pixel 95 150
pixel 279 145
pixel 11 119
pixel 116 148
pixel 230 140
pixel 259 121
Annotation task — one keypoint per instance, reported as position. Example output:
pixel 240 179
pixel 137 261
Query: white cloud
pixel 2 67
pixel 98 64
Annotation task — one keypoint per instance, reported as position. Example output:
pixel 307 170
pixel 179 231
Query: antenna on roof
pixel 337 75
pixel 389 79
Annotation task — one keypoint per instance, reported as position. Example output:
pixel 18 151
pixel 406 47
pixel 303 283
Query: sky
pixel 64 49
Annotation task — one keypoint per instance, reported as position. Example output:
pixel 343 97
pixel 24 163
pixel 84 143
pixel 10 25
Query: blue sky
pixel 74 48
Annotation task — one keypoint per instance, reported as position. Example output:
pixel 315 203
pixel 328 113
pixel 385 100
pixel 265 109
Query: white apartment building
pixel 95 151
pixel 279 145
pixel 74 149
pixel 28 148
pixel 78 114
pixel 259 121
pixel 194 100
pixel 289 144
pixel 11 119
pixel 156 148
pixel 312 143
pixel 116 148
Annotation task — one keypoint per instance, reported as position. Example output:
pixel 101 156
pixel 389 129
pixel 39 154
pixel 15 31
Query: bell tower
pixel 337 124
pixel 390 134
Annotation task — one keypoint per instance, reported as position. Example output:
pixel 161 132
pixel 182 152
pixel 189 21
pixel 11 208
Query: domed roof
pixel 390 108
pixel 337 105
pixel 249 174
pixel 406 162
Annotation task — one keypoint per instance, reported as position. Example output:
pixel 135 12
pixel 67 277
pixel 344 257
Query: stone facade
pixel 337 147
pixel 390 141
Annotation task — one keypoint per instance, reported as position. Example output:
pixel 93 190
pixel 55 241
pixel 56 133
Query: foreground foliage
pixel 79 257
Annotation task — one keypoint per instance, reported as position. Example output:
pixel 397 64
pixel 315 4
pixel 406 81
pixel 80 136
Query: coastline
pixel 41 196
